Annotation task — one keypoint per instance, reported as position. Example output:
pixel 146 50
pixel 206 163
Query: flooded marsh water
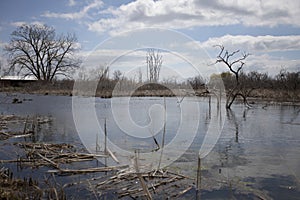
pixel 256 155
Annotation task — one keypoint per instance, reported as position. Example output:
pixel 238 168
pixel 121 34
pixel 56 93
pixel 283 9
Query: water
pixel 257 154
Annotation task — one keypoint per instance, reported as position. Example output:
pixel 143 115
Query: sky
pixel 269 30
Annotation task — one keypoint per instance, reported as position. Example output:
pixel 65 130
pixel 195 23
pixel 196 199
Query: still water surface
pixel 258 151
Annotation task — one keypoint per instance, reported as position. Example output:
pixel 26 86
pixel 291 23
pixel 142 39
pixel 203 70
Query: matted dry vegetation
pixel 120 181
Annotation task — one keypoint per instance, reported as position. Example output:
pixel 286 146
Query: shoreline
pixel 160 93
pixel 66 88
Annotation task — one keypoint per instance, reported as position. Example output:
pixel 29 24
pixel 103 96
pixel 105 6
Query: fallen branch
pixel 112 155
pixel 90 170
pixel 142 181
pixel 24 135
pixel 184 191
pixel 48 160
pixel 130 192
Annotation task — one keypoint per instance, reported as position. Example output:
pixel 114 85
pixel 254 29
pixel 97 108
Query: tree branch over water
pixel 235 65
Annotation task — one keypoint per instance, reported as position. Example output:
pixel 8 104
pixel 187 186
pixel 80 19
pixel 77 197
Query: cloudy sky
pixel 269 30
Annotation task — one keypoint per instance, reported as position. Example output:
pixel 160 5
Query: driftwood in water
pixel 152 184
pixel 142 181
pixel 112 155
pixel 38 154
pixel 29 130
pixel 5 136
pixel 89 170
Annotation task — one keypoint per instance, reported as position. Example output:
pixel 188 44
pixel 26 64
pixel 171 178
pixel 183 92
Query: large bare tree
pixel 0 68
pixel 36 50
pixel 154 62
pixel 235 65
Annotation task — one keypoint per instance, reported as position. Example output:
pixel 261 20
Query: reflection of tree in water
pixel 231 152
pixel 292 116
pixel 295 114
pixel 231 156
pixel 231 117
pixel 44 128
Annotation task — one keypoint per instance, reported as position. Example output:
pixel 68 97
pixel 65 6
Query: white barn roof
pixel 29 78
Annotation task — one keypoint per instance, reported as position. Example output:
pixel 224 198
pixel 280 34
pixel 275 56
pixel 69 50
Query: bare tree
pixel 36 50
pixel 117 75
pixel 288 83
pixel 102 76
pixel 235 65
pixel 197 82
pixel 82 73
pixel 102 73
pixel 140 74
pixel 0 68
pixel 154 62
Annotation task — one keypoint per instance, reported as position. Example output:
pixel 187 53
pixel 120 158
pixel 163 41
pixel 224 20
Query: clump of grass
pixel 12 188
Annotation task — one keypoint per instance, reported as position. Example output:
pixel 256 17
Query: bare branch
pixel 36 50
pixel 235 66
pixel 154 62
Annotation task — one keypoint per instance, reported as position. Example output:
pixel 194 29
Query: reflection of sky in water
pixel 259 143
pixel 254 142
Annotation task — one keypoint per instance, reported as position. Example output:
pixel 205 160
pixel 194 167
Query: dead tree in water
pixel 235 65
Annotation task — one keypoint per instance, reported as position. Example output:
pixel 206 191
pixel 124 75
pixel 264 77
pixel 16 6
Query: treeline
pixel 285 86
pixel 284 80
pixel 254 84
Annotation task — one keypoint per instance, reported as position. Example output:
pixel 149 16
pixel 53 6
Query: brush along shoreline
pixel 264 96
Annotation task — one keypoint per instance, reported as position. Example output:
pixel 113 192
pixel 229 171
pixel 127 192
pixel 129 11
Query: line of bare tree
pixel 36 50
pixel 284 80
pixel 251 82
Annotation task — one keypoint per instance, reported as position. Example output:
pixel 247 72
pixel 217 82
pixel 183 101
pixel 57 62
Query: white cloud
pixel 75 15
pixel 21 23
pixel 190 13
pixel 254 44
pixel 17 24
pixel 2 44
pixel 270 64
pixel 72 3
pixel 260 48
pixel 265 63
pixel 39 23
